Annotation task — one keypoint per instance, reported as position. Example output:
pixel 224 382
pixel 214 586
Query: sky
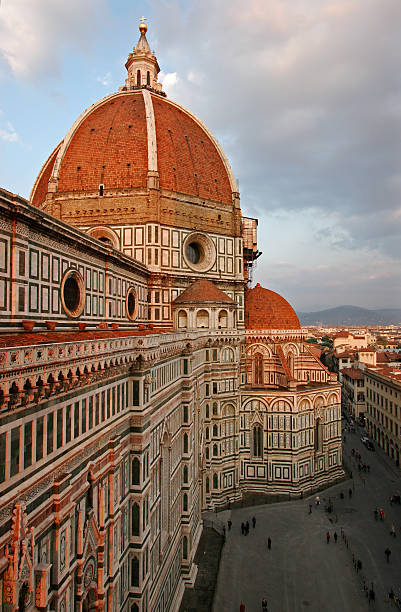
pixel 303 95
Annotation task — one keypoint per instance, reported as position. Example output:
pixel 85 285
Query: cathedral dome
pixel 133 140
pixel 115 143
pixel 265 309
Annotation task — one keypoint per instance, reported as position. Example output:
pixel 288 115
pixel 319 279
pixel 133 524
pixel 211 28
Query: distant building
pixel 353 380
pixel 346 339
pixel 383 408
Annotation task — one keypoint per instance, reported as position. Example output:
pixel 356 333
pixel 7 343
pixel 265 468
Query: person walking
pixel 350 493
pixel 229 523
pixel 328 537
pixel 387 552
pixel 242 607
pixel 247 528
pixel 264 604
pixel 243 528
pixel 269 543
pixel 392 531
pixel 335 537
pixel 310 508
pixel 253 522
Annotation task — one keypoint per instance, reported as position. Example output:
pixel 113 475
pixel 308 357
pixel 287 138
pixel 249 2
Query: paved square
pixel 304 572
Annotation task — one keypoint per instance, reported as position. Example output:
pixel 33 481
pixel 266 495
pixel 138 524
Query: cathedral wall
pixel 40 257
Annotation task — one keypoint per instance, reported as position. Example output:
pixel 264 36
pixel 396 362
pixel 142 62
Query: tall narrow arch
pixel 258 367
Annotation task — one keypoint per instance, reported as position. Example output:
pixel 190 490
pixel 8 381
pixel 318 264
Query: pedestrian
pixel 242 607
pixel 243 528
pixel 229 523
pixel 358 565
pixel 310 508
pixel 253 522
pixel 392 531
pixel 269 543
pixel 264 605
pixel 341 495
pixel 387 552
pixel 381 512
pixel 328 537
pixel 349 492
pixel 335 537
pixel 372 596
pixel 247 527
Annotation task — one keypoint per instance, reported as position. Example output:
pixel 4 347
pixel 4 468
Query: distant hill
pixel 351 315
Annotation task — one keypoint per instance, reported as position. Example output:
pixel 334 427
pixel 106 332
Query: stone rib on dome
pixel 265 309
pixel 203 291
pixel 109 144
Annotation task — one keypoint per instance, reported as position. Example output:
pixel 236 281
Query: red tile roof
pixel 203 291
pixel 353 373
pixel 265 309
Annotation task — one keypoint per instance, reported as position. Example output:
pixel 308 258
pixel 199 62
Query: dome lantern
pixel 142 65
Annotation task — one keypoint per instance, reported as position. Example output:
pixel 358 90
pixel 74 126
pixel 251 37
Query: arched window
pixel 215 431
pixel 185 502
pixel 258 369
pixel 223 318
pixel 135 519
pixel 134 608
pixel 257 441
pixel 148 78
pixel 185 547
pixel 207 411
pixel 227 355
pixel 207 485
pixel 202 318
pixel 185 477
pixel 182 319
pixel 214 450
pixel 136 470
pixel 207 452
pixel 207 433
pixel 138 77
pixel 215 481
pixel 135 572
pixel 215 408
pixel 318 435
pixel 185 443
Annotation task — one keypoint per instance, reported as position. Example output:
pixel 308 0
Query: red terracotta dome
pixel 265 309
pixel 118 140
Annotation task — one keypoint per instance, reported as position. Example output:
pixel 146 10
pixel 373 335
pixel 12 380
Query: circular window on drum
pixel 199 252
pixel 72 292
pixel 131 304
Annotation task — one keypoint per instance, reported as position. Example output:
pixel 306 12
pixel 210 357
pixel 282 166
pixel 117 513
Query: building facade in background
pixel 142 381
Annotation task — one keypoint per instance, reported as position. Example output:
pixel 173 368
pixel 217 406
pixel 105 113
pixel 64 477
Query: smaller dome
pixel 265 309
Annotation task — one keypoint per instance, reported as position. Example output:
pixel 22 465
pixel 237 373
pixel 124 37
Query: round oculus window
pixel 72 292
pixel 199 252
pixel 131 304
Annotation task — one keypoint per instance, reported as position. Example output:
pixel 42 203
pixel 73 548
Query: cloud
pixel 169 82
pixel 9 134
pixel 34 35
pixel 104 80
